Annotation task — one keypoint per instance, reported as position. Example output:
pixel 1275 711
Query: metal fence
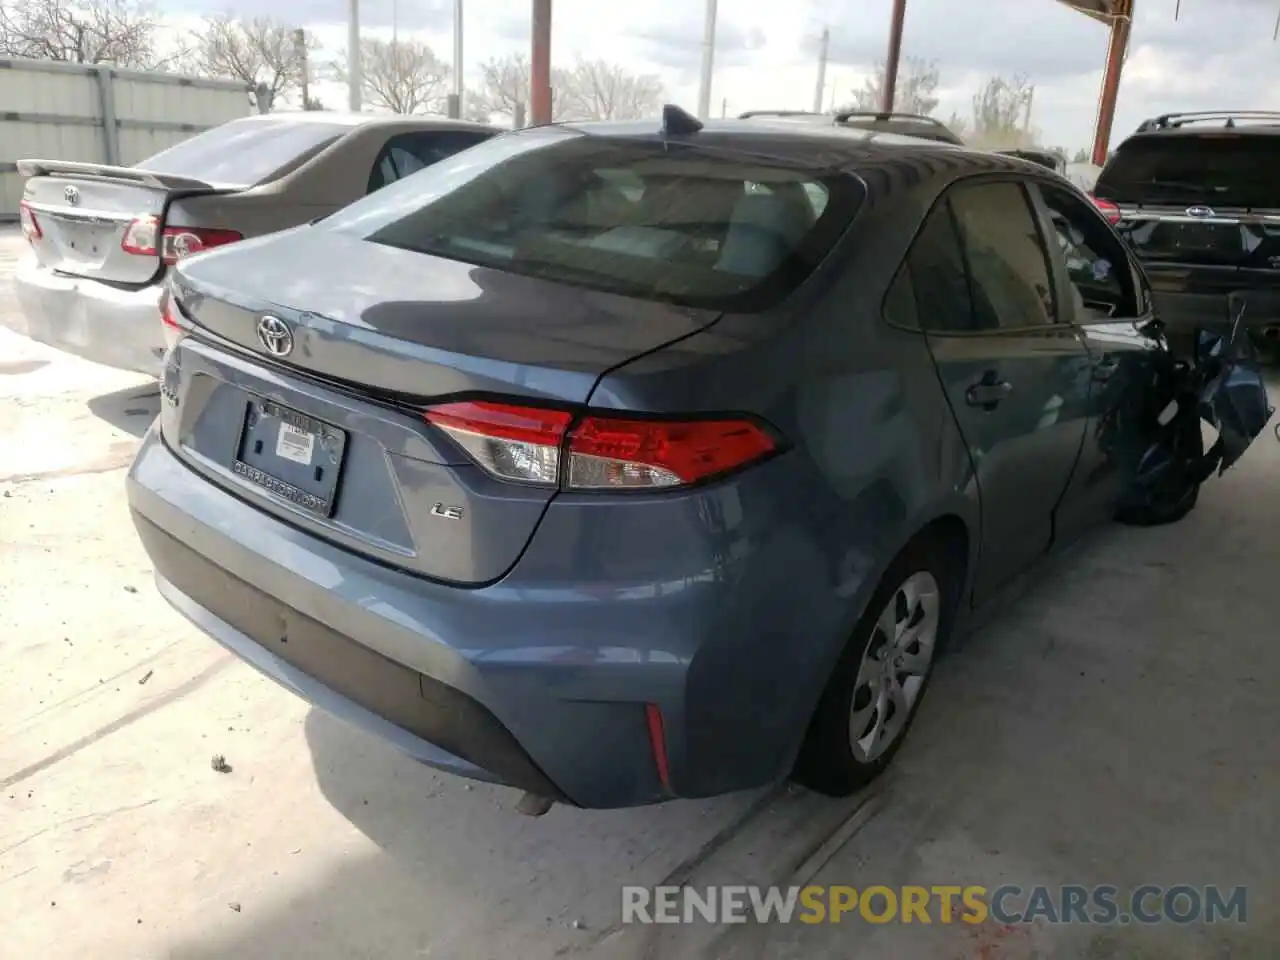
pixel 71 111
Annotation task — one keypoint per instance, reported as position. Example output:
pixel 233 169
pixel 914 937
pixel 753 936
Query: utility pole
pixel 455 98
pixel 353 56
pixel 300 48
pixel 822 70
pixel 540 64
pixel 708 61
pixel 724 107
pixel 395 22
pixel 894 57
pixel 1026 121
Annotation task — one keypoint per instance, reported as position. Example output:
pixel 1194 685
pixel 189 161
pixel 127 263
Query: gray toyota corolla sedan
pixel 619 463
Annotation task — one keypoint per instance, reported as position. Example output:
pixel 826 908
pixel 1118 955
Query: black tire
pixel 1174 495
pixel 827 762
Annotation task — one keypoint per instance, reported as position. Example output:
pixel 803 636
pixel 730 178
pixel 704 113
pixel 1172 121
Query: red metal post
pixel 894 56
pixel 1110 87
pixel 540 64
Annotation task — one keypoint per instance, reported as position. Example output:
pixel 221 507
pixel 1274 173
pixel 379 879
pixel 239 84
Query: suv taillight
pixel 1107 209
pixel 143 234
pixel 30 225
pixel 548 448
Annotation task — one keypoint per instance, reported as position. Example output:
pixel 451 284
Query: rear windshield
pixel 1228 169
pixel 633 217
pixel 244 152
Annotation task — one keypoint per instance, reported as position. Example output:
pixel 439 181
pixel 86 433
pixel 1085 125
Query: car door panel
pixel 1017 381
pixel 1103 296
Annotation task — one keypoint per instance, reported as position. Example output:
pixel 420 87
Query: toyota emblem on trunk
pixel 275 335
pixel 71 195
pixel 1200 211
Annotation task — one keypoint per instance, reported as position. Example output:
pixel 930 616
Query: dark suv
pixel 1197 195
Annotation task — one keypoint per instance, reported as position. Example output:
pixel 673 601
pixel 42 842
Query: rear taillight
pixel 169 319
pixel 179 242
pixel 546 447
pixel 143 235
pixel 1107 209
pixel 30 224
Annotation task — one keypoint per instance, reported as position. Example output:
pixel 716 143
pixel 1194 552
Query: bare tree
pixel 915 92
pixel 504 87
pixel 599 90
pixel 404 76
pixel 118 32
pixel 1001 113
pixel 263 53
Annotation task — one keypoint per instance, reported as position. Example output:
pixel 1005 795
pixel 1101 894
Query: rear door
pixel 1017 379
pixel 1103 295
pixel 1202 211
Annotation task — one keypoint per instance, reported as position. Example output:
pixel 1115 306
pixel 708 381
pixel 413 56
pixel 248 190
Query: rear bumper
pixel 105 324
pixel 535 681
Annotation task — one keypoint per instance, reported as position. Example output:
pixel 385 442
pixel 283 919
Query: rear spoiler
pixel 102 171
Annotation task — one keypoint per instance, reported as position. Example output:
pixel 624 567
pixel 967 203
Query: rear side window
pixel 640 218
pixel 245 152
pixel 935 271
pixel 1009 274
pixel 1228 169
pixel 408 153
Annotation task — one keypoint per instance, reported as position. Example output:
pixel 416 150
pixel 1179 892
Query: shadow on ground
pixel 1116 724
pixel 130 410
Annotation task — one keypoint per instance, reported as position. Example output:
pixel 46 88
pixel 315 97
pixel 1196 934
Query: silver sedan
pixel 104 237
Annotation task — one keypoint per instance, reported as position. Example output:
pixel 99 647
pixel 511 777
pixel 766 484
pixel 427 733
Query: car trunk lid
pixel 330 434
pixel 100 221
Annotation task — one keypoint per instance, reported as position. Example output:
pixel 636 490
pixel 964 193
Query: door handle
pixel 987 394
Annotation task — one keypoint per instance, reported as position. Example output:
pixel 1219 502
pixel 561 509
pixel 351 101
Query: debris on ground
pixel 219 764
pixel 234 906
pixel 130 588
pixel 145 677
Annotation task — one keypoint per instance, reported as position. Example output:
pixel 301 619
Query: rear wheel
pixel 880 680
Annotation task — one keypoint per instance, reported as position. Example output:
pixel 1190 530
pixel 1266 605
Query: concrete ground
pixel 1118 724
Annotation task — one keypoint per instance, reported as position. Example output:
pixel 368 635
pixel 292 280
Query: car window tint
pixel 245 152
pixel 1007 268
pixel 1096 264
pixel 634 217
pixel 433 147
pixel 405 162
pixel 1219 169
pixel 900 302
pixel 939 285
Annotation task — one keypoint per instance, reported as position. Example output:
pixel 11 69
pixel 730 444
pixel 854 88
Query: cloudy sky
pixel 1219 53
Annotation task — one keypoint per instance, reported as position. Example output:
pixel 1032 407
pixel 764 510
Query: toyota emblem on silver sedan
pixel 71 195
pixel 275 335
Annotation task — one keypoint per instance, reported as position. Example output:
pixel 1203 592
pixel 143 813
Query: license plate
pixel 294 456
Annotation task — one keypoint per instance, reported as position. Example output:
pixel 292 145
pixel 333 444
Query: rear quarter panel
pixel 874 456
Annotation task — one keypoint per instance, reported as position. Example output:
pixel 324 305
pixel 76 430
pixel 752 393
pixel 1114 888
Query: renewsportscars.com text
pixel 1069 904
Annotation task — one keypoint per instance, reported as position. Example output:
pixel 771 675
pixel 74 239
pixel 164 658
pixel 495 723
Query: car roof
pixel 348 119
pixel 1264 122
pixel 783 138
pixel 805 144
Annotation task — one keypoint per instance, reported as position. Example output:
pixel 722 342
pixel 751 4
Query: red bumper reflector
pixel 658 742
